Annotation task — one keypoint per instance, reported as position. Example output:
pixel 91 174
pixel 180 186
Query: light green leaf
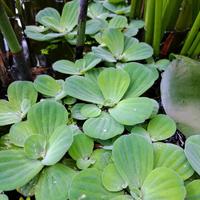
pixel 176 161
pixel 192 152
pixel 180 94
pixel 94 189
pixel 82 147
pixel 69 100
pixel 132 111
pixel 142 78
pixel 58 144
pixel 90 110
pixel 16 169
pixel 162 64
pixel 52 23
pixel 35 146
pixel 113 84
pixel 46 116
pixel 9 114
pixel 161 127
pixel 193 192
pixel 137 51
pixel 69 17
pixel 118 21
pixel 103 53
pixel 156 187
pixel 84 89
pixel 97 11
pixel 122 197
pixel 112 180
pixel 19 133
pixel 133 158
pixel 94 26
pixel 110 36
pixel 120 8
pixel 3 197
pixel 47 12
pixel 66 67
pixel 102 158
pixel 54 183
pixel 76 111
pixel 103 127
pixel 20 90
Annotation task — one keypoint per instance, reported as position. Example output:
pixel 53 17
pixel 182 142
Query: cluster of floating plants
pixel 97 135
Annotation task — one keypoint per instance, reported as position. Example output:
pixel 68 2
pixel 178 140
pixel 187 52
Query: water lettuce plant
pixel 53 25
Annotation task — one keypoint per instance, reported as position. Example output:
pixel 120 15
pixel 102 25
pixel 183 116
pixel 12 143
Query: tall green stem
pixel 157 26
pixel 149 20
pixel 81 28
pixel 191 35
pixel 196 51
pixel 20 69
pixel 135 11
pixel 194 45
pixel 8 10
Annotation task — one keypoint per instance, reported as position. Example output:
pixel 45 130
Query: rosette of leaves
pixel 50 87
pixel 53 25
pixel 41 141
pixel 138 170
pixel 114 99
pixel 21 96
pixel 180 94
pixel 124 50
pixel 78 67
pixel 160 127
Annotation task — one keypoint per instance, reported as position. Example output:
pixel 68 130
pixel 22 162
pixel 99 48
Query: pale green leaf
pixel 87 185
pixel 103 127
pixel 132 111
pixel 193 192
pixel 161 127
pixel 113 84
pixel 84 89
pixel 54 183
pixel 90 110
pixel 16 169
pixel 58 144
pixel 176 161
pixel 46 116
pixel 163 183
pixel 112 180
pixel 76 111
pixel 133 157
pixel 118 21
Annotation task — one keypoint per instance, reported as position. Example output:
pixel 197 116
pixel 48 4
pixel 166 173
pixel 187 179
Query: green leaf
pixel 137 51
pixel 161 127
pixel 192 152
pixel 101 157
pixel 180 94
pixel 193 192
pixel 69 17
pixel 122 197
pixel 84 89
pixel 113 84
pixel 54 183
pixel 156 187
pixel 46 116
pixel 120 8
pixel 82 147
pixel 35 146
pixel 58 144
pixel 142 78
pixel 16 169
pixel 90 110
pixel 132 111
pixel 94 26
pixel 110 36
pixel 69 100
pixel 112 180
pixel 66 67
pixel 50 87
pixel 76 111
pixel 133 158
pixel 97 11
pixel 162 64
pixel 177 160
pixel 3 197
pixel 103 53
pixel 20 90
pixel 9 114
pixel 94 190
pixel 118 22
pixel 47 12
pixel 103 127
